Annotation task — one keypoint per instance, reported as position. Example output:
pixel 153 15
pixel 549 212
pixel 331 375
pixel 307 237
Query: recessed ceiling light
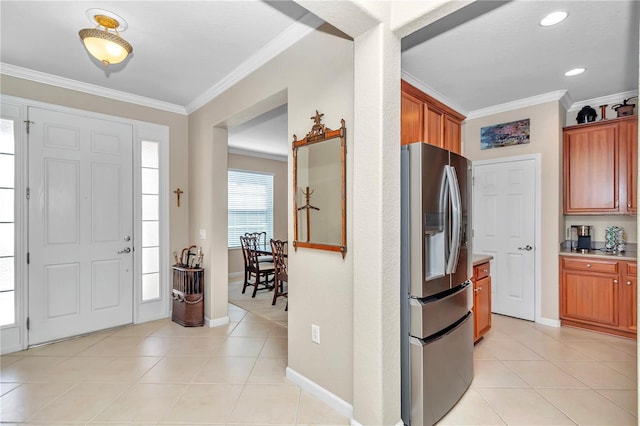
pixel 554 18
pixel 575 71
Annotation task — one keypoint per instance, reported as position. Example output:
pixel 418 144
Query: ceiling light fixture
pixel 108 47
pixel 575 71
pixel 554 18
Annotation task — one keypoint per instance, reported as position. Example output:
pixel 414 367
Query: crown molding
pixel 92 89
pixel 616 98
pixel 557 96
pixel 299 29
pixel 409 78
pixel 566 101
pixel 257 154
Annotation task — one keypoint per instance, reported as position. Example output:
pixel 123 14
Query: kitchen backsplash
pixel 600 224
pixel 597 245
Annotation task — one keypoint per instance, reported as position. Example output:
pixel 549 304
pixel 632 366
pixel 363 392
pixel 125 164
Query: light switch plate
pixel 315 334
pixel 203 234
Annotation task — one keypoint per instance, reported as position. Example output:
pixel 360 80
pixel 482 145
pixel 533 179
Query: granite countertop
pixel 627 255
pixel 479 259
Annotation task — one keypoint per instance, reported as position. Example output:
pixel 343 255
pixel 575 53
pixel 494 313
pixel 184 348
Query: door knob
pixel 126 250
pixel 527 248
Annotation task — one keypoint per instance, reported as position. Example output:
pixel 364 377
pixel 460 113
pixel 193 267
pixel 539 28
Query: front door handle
pixel 126 250
pixel 527 248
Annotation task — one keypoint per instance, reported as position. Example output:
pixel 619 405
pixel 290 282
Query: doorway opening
pixel 258 200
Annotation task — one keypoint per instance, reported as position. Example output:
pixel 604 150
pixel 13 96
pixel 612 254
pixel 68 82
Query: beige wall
pixel 320 282
pixel 546 123
pixel 280 197
pixel 178 136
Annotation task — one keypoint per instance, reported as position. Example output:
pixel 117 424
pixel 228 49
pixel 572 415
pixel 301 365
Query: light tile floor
pixel 530 374
pixel 160 373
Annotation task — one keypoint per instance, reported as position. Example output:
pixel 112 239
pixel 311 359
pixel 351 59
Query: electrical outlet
pixel 203 234
pixel 315 333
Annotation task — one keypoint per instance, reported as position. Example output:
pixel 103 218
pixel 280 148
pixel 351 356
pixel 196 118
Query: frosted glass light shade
pixel 105 46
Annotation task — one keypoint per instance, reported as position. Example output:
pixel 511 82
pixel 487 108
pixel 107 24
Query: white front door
pixel 80 224
pixel 504 226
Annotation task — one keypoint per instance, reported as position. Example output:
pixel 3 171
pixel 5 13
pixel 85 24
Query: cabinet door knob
pixel 628 282
pixel 475 290
pixel 485 270
pixel 588 265
pixel 615 281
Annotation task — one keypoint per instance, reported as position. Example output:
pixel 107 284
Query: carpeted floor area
pixel 261 304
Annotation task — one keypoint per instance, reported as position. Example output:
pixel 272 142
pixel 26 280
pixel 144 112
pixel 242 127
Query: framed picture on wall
pixel 505 134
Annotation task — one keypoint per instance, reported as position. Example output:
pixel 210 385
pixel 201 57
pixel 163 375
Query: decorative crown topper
pixel 318 128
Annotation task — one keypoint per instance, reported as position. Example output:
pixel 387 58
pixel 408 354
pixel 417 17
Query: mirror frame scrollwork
pixel 320 133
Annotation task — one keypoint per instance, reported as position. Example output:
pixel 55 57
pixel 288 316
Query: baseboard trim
pixel 355 423
pixel 11 349
pixel 235 274
pixel 332 400
pixel 548 321
pixel 216 322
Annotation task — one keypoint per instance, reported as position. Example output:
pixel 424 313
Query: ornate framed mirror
pixel 319 188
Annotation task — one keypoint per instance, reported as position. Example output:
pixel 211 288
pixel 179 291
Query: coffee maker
pixel 581 238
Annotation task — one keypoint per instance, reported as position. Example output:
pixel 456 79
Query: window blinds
pixel 250 196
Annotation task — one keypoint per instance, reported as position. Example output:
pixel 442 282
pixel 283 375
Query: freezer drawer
pixel 432 314
pixel 441 372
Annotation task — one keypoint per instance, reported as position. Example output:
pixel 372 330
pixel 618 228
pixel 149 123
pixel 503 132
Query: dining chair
pixel 279 251
pixel 261 239
pixel 261 272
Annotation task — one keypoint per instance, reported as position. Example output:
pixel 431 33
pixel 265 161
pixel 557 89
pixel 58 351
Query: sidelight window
pixel 150 180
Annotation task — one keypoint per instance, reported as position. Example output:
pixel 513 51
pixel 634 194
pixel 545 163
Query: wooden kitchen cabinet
pixel 629 164
pixel 424 119
pixel 481 300
pixel 452 134
pixel 600 167
pixel 411 129
pixel 598 294
pixel 629 298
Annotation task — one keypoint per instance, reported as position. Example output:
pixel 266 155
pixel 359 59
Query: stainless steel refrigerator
pixel 436 270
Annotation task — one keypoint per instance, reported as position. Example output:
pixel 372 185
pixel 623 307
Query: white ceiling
pixel 187 52
pixel 504 54
pixel 181 49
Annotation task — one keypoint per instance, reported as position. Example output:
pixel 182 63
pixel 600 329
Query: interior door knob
pixel 526 248
pixel 126 250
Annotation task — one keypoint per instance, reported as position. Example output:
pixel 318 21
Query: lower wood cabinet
pixel 599 294
pixel 481 300
pixel 629 298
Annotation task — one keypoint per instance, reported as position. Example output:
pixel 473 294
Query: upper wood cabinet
pixel 600 167
pixel 629 163
pixel 411 128
pixel 424 119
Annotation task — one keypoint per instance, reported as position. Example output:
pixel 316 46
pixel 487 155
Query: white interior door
pixel 80 225
pixel 504 226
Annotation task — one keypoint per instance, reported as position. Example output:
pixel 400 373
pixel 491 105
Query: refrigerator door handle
pixel 456 214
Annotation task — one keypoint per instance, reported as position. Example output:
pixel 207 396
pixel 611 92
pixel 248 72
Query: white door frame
pixel 142 131
pixel 537 223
